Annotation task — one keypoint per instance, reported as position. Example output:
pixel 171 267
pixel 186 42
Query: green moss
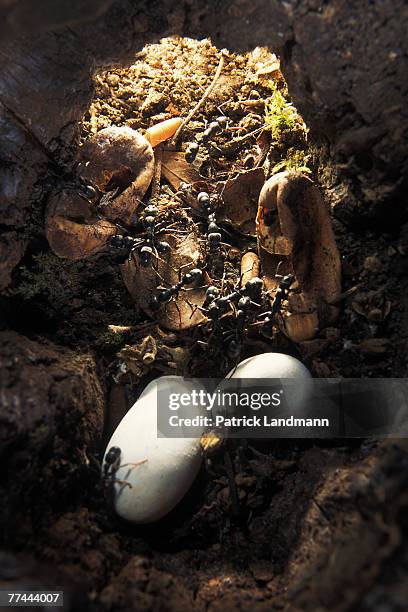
pixel 295 161
pixel 281 116
pixel 110 342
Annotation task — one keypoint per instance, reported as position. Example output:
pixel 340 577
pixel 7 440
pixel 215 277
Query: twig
pixel 344 295
pixel 245 136
pixel 203 98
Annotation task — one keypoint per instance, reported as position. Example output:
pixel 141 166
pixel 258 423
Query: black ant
pixel 280 295
pixel 212 129
pixel 148 245
pixel 251 297
pixel 112 464
pixel 213 235
pixel 193 277
pixel 244 301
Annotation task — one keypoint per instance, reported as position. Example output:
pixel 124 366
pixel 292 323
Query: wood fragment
pixel 249 267
pixel 295 237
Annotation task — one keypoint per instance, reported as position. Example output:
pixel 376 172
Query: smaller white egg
pixel 160 470
pixel 272 366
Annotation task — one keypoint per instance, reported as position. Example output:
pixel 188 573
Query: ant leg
pixel 277 269
pixel 166 305
pixel 197 307
pixel 122 483
pixel 126 483
pixel 178 310
pixel 134 465
pixel 155 268
pixel 182 268
pixel 194 307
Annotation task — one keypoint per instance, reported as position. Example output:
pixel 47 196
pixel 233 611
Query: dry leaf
pixel 176 170
pixel 240 198
pixel 300 326
pixel 119 162
pixel 72 229
pixel 271 69
pixel 181 312
pixel 372 311
pixel 358 308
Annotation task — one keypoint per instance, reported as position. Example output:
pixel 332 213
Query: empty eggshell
pixel 279 366
pixel 169 466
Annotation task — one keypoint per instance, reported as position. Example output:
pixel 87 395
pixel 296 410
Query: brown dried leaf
pixel 142 283
pixel 176 170
pixel 118 158
pixel 263 143
pixel 358 308
pixel 271 69
pixel 300 326
pixel 240 196
pixel 71 228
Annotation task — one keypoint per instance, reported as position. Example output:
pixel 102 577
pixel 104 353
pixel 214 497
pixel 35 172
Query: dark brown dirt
pixel 51 422
pixel 321 526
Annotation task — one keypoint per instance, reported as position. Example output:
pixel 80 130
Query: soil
pixel 319 526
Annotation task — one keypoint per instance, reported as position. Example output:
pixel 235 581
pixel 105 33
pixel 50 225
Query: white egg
pixel 270 365
pixel 165 467
pixel 283 367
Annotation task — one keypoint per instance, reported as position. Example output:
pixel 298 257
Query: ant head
pixel 150 211
pixel 113 454
pixel 196 275
pixel 214 312
pixel 287 280
pixel 254 287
